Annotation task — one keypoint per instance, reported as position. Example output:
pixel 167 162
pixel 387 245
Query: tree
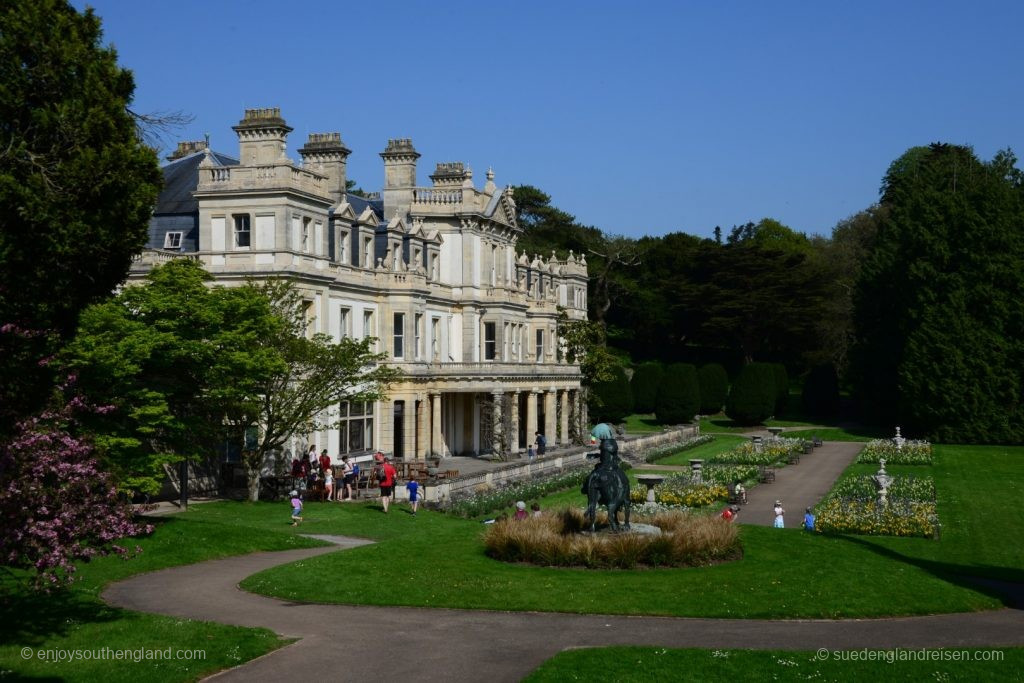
pixel 938 308
pixel 752 395
pixel 272 380
pixel 714 388
pixel 679 395
pixel 583 342
pixel 56 504
pixel 781 387
pixel 821 391
pixel 77 186
pixel 645 383
pixel 147 354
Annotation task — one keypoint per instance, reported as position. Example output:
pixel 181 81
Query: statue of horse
pixel 607 485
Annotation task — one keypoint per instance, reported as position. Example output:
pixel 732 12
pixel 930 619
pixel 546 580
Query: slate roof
pixel 359 205
pixel 181 177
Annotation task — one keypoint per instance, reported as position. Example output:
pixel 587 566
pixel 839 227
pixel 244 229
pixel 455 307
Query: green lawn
pixel 647 664
pixel 721 444
pixel 784 574
pixel 642 424
pixel 76 619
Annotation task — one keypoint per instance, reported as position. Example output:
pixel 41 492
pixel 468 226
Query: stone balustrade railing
pixel 253 177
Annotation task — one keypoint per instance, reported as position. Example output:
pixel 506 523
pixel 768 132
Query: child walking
pixel 413 487
pixel 296 507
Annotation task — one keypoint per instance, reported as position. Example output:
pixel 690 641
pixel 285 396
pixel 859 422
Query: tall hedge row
pixel 612 401
pixel 781 387
pixel 679 395
pixel 714 388
pixel 752 395
pixel 645 383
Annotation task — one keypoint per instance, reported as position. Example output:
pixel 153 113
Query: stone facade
pixel 431 272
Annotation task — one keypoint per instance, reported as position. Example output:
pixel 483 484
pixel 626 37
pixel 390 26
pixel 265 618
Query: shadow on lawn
pixel 29 618
pixel 1005 584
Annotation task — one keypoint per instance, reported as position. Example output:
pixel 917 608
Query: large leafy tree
pixel 940 301
pixel 76 187
pixel 186 365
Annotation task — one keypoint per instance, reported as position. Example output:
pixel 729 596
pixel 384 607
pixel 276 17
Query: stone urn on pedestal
pixel 882 482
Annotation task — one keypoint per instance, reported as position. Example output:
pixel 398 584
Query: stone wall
pixel 630 448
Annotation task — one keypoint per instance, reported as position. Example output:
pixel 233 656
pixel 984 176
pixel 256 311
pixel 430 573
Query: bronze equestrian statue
pixel 607 485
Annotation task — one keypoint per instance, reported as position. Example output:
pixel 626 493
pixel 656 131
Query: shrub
pixel 679 395
pixel 554 539
pixel 821 391
pixel 781 387
pixel 714 387
pixel 644 384
pixel 612 400
pixel 752 395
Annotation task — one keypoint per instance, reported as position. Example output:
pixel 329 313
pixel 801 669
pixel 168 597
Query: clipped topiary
pixel 714 387
pixel 781 387
pixel 645 383
pixel 821 391
pixel 752 395
pixel 612 401
pixel 679 395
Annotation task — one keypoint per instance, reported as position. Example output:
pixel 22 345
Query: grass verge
pixel 659 664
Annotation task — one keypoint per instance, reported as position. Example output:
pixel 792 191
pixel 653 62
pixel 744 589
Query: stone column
pixel 385 425
pixel 496 425
pixel 550 417
pixel 436 447
pixel 410 428
pixel 531 415
pixel 563 439
pixel 513 438
pixel 422 427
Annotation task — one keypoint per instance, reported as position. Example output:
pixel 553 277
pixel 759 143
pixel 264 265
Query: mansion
pixel 431 272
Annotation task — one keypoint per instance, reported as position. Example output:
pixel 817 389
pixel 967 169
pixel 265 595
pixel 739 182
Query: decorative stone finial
pixel 490 173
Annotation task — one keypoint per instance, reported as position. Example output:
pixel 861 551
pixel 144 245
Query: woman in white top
pixel 779 512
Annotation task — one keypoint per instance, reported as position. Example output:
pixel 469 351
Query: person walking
pixel 328 484
pixel 296 507
pixel 386 475
pixel 413 488
pixel 779 515
pixel 808 520
pixel 542 443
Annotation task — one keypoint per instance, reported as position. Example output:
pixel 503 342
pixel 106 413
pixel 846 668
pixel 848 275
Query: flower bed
pixel 912 452
pixel 486 501
pixel 665 452
pixel 678 492
pixel 852 508
pixel 773 451
pixel 898 518
pixel 554 539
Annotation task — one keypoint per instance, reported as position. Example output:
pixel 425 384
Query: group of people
pixel 730 513
pixel 384 473
pixel 338 486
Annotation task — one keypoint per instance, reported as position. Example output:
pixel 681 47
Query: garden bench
pixel 794 459
pixel 817 441
pixel 765 474
pixel 735 498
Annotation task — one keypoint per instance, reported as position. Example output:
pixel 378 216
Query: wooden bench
pixel 765 474
pixel 794 458
pixel 816 441
pixel 734 497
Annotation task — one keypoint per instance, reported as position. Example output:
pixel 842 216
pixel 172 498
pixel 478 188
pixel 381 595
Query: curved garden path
pixel 395 643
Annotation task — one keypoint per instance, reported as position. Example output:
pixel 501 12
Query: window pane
pixel 355 435
pixel 343 437
pixel 356 409
pixel 369 434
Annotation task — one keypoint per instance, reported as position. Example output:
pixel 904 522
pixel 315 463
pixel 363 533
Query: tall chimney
pixel 327 154
pixel 399 176
pixel 262 135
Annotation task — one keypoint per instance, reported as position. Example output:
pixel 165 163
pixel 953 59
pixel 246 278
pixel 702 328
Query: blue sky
pixel 638 118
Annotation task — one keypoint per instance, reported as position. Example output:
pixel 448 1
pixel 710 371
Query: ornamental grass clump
pixel 555 539
pixel 911 453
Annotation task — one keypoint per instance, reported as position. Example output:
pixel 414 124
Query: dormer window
pixel 172 240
